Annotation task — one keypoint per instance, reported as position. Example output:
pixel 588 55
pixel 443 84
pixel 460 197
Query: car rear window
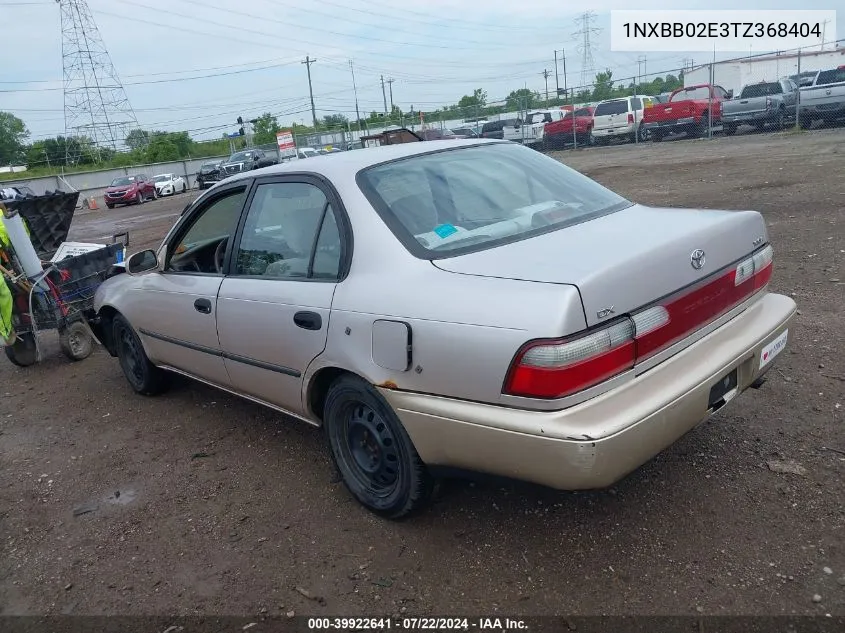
pixel 761 90
pixel 700 92
pixel 831 76
pixel 617 106
pixel 451 202
pixel 493 126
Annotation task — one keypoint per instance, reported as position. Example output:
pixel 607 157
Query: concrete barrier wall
pixel 94 183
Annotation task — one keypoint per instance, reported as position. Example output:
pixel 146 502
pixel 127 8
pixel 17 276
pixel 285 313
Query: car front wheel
pixel 372 451
pixel 144 377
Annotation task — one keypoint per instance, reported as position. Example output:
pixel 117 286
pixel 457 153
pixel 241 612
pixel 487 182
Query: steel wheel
pixel 370 448
pixel 76 342
pixel 143 376
pixel 372 451
pixel 139 198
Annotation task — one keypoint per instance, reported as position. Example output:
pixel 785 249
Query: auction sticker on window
pixel 773 349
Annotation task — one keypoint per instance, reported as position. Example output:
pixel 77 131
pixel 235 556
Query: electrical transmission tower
pixel 588 66
pixel 96 106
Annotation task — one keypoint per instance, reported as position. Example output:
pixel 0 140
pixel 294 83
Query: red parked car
pixel 130 190
pixel 687 111
pixel 557 134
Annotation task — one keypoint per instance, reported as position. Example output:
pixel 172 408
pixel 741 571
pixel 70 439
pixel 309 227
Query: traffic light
pixel 240 120
pixel 241 131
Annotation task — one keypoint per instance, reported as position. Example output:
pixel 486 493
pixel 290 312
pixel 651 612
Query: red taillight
pixel 630 117
pixel 554 368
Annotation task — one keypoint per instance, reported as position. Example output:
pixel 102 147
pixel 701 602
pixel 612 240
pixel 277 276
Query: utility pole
pixel 557 78
pixel 546 74
pixel 390 83
pixel 640 69
pixel 355 90
pixel 308 61
pixel 798 97
pixel 383 94
pixel 565 91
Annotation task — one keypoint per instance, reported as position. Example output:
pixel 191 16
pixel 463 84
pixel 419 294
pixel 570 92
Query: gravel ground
pixel 198 502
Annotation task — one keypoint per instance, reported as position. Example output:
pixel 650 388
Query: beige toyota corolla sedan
pixel 467 305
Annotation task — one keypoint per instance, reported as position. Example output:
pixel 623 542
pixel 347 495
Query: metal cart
pixel 62 297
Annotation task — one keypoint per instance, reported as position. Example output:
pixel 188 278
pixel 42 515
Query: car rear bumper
pixel 618 130
pixel 824 110
pixel 669 126
pixel 596 443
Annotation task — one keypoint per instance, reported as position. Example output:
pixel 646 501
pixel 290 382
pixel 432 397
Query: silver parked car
pixel 468 304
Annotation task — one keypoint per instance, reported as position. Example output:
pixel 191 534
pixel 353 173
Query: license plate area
pixel 722 391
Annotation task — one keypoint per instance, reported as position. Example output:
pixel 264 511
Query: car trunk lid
pixel 625 260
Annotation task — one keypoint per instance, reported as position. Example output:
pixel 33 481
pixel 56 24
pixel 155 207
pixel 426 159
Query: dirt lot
pixel 197 502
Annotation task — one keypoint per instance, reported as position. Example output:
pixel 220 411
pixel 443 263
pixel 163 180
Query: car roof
pixel 342 163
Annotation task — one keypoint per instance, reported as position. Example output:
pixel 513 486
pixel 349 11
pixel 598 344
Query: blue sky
pixel 198 64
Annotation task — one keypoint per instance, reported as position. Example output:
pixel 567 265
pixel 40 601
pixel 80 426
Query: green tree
pixel 603 87
pixel 334 121
pixel 265 128
pixel 13 133
pixel 522 99
pixel 478 98
pixel 137 139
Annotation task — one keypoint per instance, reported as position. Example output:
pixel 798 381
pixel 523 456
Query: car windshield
pixel 618 106
pixel 472 198
pixel 240 156
pixel 125 180
pixel 761 90
pixel 163 178
pixel 701 92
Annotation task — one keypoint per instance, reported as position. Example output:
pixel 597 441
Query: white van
pixel 621 118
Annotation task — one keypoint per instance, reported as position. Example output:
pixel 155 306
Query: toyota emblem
pixel 697 259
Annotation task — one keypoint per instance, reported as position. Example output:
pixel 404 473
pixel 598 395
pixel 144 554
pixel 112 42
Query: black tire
pixel 144 377
pixel 110 206
pixel 805 122
pixel 155 194
pixel 76 341
pixel 780 119
pixel 184 187
pixel 372 451
pixel 657 136
pixel 23 352
pixel 139 198
pixel 729 129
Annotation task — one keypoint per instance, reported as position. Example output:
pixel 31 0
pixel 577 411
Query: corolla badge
pixel 697 259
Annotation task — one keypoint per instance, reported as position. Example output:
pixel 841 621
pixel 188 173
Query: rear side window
pixel 618 106
pixel 831 76
pixel 583 112
pixel 636 104
pixel 691 93
pixel 761 90
pixel 493 126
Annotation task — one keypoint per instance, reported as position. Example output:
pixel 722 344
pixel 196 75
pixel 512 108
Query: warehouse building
pixel 734 74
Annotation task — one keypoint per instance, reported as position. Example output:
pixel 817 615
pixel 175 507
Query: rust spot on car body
pixel 388 384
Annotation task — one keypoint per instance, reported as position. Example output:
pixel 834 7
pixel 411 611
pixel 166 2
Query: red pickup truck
pixel 687 111
pixel 557 134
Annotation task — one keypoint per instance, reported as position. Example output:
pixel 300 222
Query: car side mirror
pixel 142 262
pixel 730 94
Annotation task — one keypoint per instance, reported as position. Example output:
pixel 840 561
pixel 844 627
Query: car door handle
pixel 308 320
pixel 203 305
